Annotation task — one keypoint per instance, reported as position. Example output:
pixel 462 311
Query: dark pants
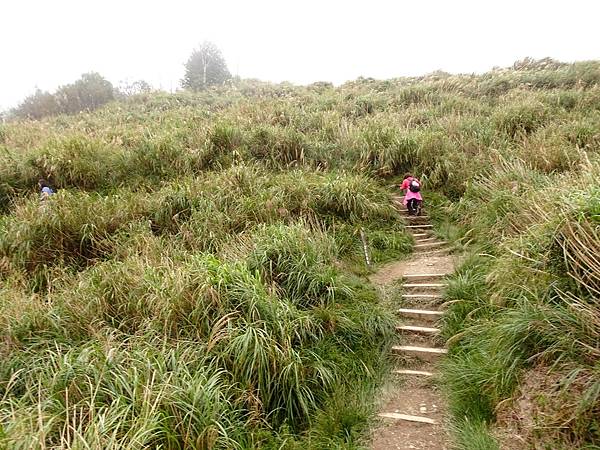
pixel 414 206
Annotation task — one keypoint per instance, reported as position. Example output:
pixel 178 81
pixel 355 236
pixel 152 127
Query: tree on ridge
pixel 205 67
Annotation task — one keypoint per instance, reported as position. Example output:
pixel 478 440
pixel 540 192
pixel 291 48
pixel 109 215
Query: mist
pixel 48 44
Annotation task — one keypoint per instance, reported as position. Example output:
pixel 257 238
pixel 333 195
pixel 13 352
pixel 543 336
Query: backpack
pixel 414 186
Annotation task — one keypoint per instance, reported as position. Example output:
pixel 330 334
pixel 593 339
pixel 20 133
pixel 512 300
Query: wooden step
pixel 420 313
pixel 420 234
pixel 407 417
pixel 416 329
pixel 423 296
pixel 435 251
pixel 430 244
pixel 422 225
pixel 419 351
pixel 424 285
pixel 419 241
pixel 417 217
pixel 422 373
pixel 412 276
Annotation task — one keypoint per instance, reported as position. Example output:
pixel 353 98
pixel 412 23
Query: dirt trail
pixel 418 264
pixel 411 407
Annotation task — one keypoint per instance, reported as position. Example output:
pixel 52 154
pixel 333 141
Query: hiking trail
pixel 412 409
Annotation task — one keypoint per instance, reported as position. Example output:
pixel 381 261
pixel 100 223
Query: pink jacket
pixel 410 195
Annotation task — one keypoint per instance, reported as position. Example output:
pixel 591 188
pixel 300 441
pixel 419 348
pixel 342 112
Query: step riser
pixel 404 213
pixel 426 297
pixel 432 279
pixel 422 304
pixel 419 358
pixel 424 240
pixel 429 245
pixel 424 278
pixel 424 291
pixel 444 251
pixel 429 319
pixel 422 331
pixel 424 285
pixel 418 354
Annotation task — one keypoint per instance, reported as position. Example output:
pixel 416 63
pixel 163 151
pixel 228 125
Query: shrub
pixel 520 119
pixel 278 147
pixel 78 161
pixel 298 261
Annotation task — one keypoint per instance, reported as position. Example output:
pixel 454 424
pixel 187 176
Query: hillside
pixel 197 281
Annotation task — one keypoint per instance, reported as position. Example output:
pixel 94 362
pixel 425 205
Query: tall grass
pixel 193 283
pixel 530 312
pixel 276 328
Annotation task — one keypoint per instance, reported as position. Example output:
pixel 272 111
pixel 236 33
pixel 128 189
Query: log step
pixel 423 296
pixel 413 372
pixel 424 285
pixel 430 244
pixel 420 313
pixel 429 351
pixel 423 225
pixel 435 251
pixel 416 329
pixel 409 276
pixel 407 417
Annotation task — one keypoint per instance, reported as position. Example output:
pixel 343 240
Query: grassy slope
pixel 189 285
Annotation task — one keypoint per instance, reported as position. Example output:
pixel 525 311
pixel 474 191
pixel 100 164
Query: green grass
pixel 529 309
pixel 473 436
pixel 198 280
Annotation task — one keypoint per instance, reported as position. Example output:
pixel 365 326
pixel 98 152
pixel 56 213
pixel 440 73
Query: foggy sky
pixel 46 43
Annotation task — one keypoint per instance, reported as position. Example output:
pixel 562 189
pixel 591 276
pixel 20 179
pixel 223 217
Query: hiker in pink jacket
pixel 412 197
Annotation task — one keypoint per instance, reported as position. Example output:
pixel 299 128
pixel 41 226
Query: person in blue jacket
pixel 45 190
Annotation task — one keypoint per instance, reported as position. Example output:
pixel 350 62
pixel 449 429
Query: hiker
pixel 412 197
pixel 45 190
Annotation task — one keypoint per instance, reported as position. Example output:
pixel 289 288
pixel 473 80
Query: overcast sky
pixel 46 43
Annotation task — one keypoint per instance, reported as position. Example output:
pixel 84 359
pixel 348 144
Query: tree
pixel 138 87
pixel 205 67
pixel 38 105
pixel 90 92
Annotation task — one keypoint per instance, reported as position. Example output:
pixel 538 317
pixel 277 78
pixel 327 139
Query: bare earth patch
pixel 414 397
pixel 542 411
pixel 420 264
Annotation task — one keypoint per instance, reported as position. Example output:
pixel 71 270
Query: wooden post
pixel 363 238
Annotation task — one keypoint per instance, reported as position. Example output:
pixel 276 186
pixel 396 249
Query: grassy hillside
pixel 196 282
